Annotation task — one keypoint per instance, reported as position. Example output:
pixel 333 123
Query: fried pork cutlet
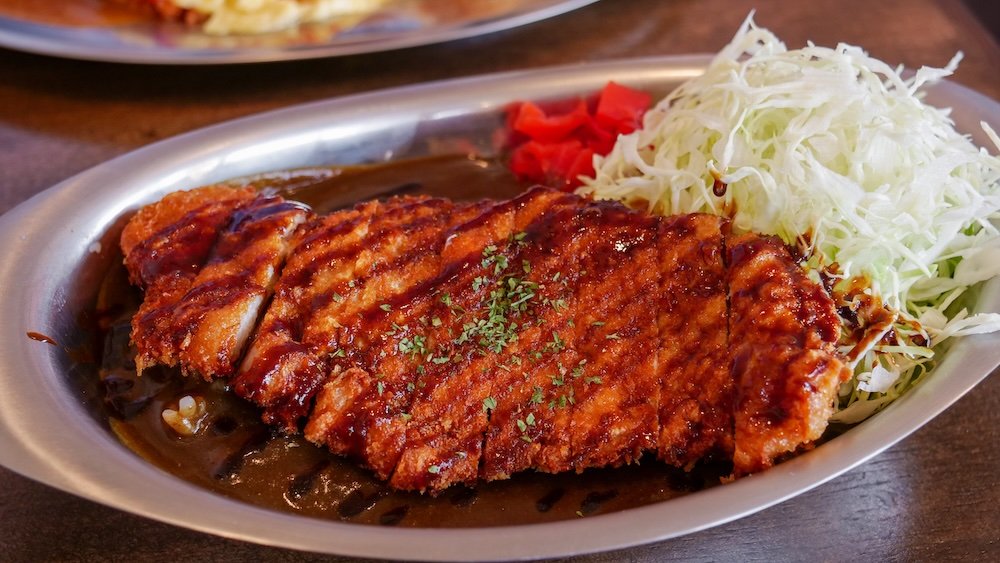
pixel 439 343
pixel 784 363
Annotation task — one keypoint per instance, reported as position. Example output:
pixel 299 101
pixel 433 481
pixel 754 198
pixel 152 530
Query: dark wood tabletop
pixel 934 496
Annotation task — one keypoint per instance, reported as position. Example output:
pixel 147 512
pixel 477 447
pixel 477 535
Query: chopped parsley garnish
pixel 536 397
pixel 489 403
pixel 496 330
pixel 415 346
pixel 340 353
pixel 435 469
pixel 526 266
pixel 597 323
pixel 523 425
pixel 441 360
pixel 593 379
pixel 380 387
pixel 501 264
pixel 435 322
pixel 385 307
pixel 556 344
pixel 490 257
pixel 337 297
pixel 612 336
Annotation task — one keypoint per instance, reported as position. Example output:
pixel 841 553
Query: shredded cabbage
pixel 835 152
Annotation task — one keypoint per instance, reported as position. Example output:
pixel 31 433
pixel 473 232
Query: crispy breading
pixel 491 298
pixel 695 399
pixel 785 367
pixel 214 319
pixel 324 286
pixel 440 343
pixel 166 244
pixel 376 315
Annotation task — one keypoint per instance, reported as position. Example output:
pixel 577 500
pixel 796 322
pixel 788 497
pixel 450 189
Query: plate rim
pixel 971 361
pixel 28 37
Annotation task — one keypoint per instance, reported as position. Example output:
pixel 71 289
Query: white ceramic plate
pixel 53 262
pixel 81 30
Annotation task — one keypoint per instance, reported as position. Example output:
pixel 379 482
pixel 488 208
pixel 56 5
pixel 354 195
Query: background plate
pixel 89 29
pixel 49 275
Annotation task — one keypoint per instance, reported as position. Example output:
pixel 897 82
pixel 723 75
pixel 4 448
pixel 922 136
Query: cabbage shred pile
pixel 836 153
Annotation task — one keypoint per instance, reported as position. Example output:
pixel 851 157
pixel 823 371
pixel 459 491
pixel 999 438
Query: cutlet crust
pixel 439 343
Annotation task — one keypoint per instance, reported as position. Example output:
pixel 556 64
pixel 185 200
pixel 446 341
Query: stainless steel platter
pixel 60 242
pixel 81 30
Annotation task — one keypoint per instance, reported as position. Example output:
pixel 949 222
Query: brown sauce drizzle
pixel 238 456
pixel 39 337
pixel 719 188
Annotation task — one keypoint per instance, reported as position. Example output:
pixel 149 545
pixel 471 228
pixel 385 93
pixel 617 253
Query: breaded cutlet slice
pixel 165 245
pixel 215 318
pixel 300 336
pixel 362 411
pixel 696 385
pixel 387 339
pixel 531 408
pixel 614 420
pixel 487 318
pixel 785 367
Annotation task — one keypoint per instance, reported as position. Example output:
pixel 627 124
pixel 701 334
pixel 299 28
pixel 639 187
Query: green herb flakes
pixel 489 403
pixel 536 397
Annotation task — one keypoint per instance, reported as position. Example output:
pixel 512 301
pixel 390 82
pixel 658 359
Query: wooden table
pixel 934 496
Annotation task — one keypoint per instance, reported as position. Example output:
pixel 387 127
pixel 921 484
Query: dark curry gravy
pixel 238 456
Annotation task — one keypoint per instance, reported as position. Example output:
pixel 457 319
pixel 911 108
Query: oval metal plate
pixel 405 23
pixel 58 245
